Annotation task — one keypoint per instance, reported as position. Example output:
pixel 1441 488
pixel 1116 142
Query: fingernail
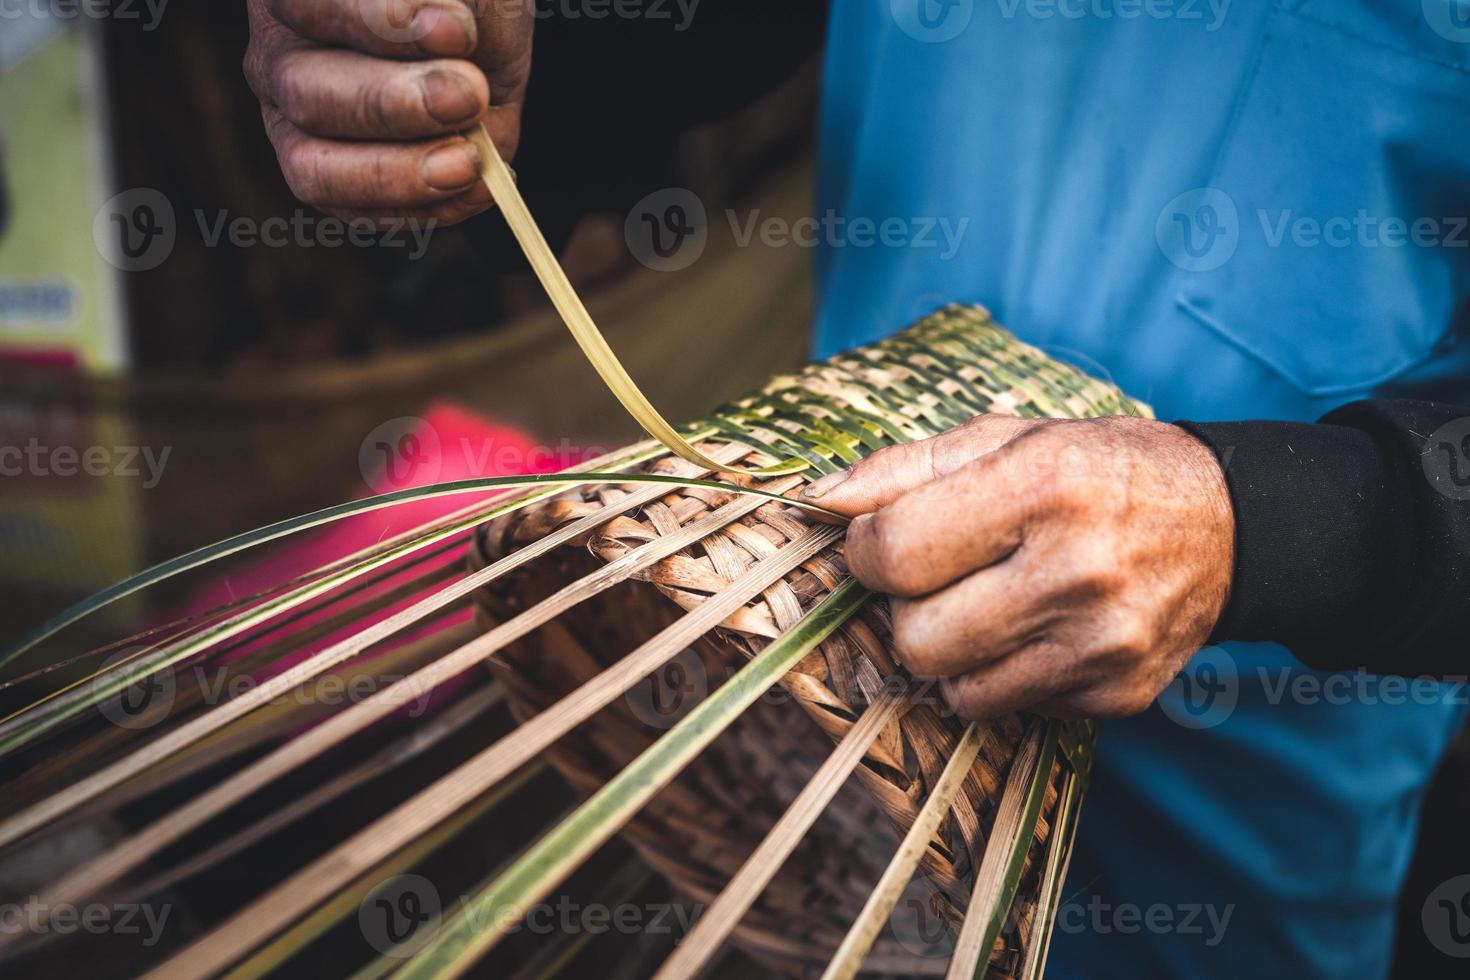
pixel 448 97
pixel 445 30
pixel 825 484
pixel 452 167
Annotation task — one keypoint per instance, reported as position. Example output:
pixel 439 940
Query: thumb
pixel 892 472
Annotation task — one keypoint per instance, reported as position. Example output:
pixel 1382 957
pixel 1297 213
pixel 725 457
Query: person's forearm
pixel 1352 535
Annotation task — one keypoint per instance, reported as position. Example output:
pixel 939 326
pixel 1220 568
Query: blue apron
pixel 1234 210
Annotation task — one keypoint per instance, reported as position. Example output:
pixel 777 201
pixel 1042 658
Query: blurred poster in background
pixel 68 510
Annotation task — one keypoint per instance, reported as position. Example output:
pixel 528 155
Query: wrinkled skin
pixel 365 100
pixel 1070 567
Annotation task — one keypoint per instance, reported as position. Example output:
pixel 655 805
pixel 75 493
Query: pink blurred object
pixel 447 443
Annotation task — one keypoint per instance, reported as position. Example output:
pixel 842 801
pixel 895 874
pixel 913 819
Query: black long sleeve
pixel 1352 536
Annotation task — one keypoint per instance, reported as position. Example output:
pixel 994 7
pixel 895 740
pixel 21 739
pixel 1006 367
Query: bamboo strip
pixel 489 914
pixel 724 914
pixel 870 921
pixel 79 792
pixel 1058 858
pixel 502 185
pixel 1005 852
pixel 263 917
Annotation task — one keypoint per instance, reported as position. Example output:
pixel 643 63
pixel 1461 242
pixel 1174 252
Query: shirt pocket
pixel 1336 213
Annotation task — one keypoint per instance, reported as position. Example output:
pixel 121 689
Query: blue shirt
pixel 1237 210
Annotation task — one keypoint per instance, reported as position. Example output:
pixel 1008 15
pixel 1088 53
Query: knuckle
pixel 257 69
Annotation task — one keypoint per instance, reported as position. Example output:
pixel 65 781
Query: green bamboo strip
pixel 312 884
pixel 1010 841
pixel 1059 856
pixel 724 914
pixel 558 853
pixel 870 921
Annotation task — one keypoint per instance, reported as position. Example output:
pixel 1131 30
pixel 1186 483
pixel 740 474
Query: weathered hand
pixel 1071 567
pixel 364 100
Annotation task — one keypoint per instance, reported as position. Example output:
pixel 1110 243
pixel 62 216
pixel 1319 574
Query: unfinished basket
pixel 1028 778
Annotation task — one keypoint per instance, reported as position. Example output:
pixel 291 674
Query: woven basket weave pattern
pixel 949 367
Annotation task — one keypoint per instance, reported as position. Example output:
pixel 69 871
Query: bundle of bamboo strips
pixel 569 576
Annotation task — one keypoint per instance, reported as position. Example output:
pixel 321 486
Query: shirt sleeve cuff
pixel 1317 523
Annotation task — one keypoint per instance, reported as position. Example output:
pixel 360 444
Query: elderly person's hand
pixel 1071 567
pixel 364 100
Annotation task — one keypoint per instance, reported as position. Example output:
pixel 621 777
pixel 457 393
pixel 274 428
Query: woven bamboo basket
pixel 1028 778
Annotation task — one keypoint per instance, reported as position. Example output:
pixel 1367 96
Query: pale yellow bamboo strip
pixel 150 754
pixel 870 921
pixel 724 914
pixel 1058 858
pixel 502 185
pixel 303 890
pixel 1009 827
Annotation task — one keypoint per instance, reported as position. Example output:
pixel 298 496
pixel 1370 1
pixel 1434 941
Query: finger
pixel 337 174
pixel 981 618
pixel 891 472
pixel 336 93
pixel 389 28
pixel 942 531
pixel 1035 675
pixel 422 221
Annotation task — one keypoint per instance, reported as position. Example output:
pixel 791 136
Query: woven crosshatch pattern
pixel 937 374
